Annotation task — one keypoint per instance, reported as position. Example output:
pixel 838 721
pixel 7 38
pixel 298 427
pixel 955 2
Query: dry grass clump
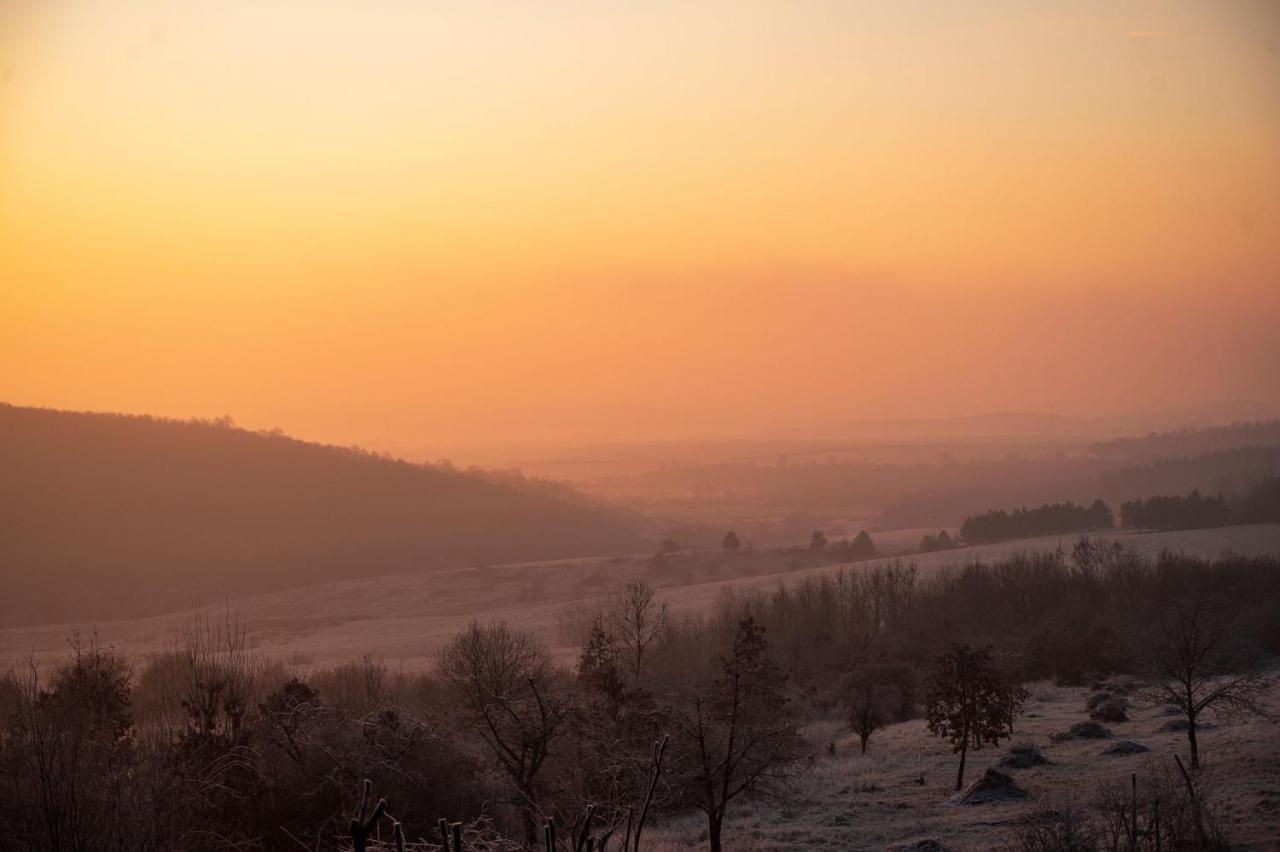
pixel 1105 707
pixel 993 788
pixel 1082 731
pixel 1023 756
pixel 1154 809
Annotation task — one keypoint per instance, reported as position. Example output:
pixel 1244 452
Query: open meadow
pixel 900 794
pixel 403 620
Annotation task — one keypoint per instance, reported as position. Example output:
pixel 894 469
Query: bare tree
pixel 218 675
pixel 639 620
pixel 733 732
pixel 504 679
pixel 1196 661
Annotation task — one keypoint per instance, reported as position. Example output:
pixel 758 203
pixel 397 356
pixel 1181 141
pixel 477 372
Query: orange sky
pixel 402 222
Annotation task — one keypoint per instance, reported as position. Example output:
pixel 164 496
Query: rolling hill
pixel 108 516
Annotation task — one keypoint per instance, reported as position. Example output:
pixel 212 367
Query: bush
pixel 1105 707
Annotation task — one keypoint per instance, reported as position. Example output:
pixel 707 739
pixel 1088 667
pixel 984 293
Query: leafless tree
pixel 505 681
pixel 733 732
pixel 1196 661
pixel 638 620
pixel 218 674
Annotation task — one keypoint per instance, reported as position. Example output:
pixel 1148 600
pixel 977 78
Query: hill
pixel 1191 442
pixel 107 516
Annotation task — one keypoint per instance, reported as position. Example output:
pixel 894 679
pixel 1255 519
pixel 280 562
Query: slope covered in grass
pixel 106 516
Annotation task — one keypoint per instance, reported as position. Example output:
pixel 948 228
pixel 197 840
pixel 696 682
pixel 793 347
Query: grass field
pixel 852 801
pixel 403 620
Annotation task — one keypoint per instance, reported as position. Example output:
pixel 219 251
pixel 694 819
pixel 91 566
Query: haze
pixel 398 223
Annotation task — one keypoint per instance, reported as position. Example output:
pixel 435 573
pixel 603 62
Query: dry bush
pixel 1153 810
pixel 158 692
pixel 1042 691
pixel 1107 707
pixel 67 759
pixel 355 688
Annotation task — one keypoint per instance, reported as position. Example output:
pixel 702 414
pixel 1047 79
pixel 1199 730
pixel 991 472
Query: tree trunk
pixel 714 822
pixel 1195 804
pixel 1191 738
pixel 531 837
pixel 864 738
pixel 964 751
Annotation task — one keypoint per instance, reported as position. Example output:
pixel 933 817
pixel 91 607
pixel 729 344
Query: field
pixel 876 801
pixel 403 620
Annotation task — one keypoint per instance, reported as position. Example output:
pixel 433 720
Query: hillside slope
pixel 405 620
pixel 107 516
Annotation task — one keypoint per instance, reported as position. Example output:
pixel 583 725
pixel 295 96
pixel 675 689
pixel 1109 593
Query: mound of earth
pixel 1126 747
pixel 993 788
pixel 1023 756
pixel 1084 731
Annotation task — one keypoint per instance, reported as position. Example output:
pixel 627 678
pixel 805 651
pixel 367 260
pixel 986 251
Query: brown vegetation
pixel 507 742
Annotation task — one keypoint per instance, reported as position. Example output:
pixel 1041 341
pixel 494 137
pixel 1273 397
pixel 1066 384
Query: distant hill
pixel 107 516
pixel 1229 472
pixel 1191 442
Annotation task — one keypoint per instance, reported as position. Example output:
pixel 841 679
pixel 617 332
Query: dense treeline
pixel 1175 513
pixel 211 748
pixel 1049 519
pixel 1260 504
pixel 179 512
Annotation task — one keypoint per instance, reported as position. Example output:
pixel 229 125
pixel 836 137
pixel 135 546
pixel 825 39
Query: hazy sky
pixel 401 222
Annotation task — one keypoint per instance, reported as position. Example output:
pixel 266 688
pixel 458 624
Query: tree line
pixel 1259 504
pixel 1049 519
pixel 212 747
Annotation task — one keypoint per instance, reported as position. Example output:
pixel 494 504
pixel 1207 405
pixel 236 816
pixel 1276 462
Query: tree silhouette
pixel 504 681
pixel 1196 662
pixel 638 619
pixel 734 734
pixel 971 700
pixel 598 665
pixel 731 542
pixel 877 696
pixel 863 547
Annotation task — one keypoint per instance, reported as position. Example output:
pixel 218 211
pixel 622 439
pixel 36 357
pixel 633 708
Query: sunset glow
pixel 394 223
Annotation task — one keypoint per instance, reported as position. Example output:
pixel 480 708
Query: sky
pixel 398 223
